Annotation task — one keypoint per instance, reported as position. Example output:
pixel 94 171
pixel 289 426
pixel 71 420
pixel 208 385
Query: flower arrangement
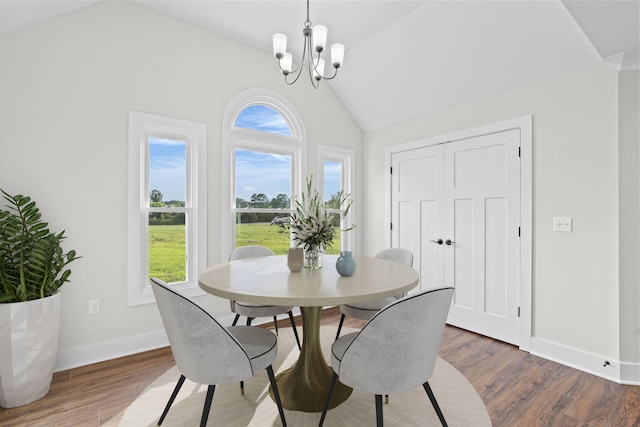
pixel 312 225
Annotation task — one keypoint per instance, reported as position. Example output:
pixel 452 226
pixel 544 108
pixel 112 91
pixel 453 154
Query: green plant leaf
pixel 32 261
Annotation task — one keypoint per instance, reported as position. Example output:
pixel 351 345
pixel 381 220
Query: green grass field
pixel 167 258
pixel 167 253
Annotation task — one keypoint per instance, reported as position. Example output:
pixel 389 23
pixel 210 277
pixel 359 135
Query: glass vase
pixel 313 257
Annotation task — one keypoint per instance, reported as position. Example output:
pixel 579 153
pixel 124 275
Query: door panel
pixel 495 244
pixel 426 260
pixel 460 256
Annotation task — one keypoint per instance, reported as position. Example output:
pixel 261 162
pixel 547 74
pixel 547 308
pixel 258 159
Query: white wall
pixel 575 174
pixel 67 85
pixel 629 160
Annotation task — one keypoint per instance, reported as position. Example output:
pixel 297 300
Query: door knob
pixel 449 242
pixel 439 241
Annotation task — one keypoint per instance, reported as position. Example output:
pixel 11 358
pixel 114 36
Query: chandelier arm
pixel 335 73
pixel 294 80
pixel 314 82
pixel 313 64
pixel 300 66
pixel 312 67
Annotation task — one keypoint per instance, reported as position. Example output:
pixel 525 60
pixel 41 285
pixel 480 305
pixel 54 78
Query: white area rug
pixel 458 400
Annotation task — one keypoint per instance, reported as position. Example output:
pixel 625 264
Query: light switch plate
pixel 563 224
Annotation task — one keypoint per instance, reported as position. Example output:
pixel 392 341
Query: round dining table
pixel 268 280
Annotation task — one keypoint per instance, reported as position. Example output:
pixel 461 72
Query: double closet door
pixel 456 206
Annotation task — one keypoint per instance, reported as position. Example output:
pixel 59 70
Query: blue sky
pixel 256 172
pixel 167 168
pixel 262 118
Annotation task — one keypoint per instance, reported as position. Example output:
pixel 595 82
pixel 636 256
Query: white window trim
pixel 141 127
pixel 234 137
pixel 346 157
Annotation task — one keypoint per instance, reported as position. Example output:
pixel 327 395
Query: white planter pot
pixel 28 346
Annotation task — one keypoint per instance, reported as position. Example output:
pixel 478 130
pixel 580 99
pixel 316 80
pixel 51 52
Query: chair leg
pixel 249 319
pixel 207 406
pixel 276 394
pixel 295 331
pixel 332 384
pixel 434 402
pixel 340 326
pixel 379 422
pixel 235 320
pixel 275 324
pixel 172 398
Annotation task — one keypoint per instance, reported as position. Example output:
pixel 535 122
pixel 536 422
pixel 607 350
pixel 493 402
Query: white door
pixel 418 210
pixel 456 207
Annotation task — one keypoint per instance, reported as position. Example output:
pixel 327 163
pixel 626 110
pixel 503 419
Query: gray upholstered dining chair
pixel 208 353
pixel 366 310
pixel 250 310
pixel 395 351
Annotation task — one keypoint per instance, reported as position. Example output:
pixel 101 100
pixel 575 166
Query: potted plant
pixel 32 269
pixel 314 225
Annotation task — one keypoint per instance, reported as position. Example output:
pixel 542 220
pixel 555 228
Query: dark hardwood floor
pixel 518 389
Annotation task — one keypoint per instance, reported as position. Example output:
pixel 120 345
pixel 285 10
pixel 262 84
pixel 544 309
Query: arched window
pixel 263 118
pixel 265 141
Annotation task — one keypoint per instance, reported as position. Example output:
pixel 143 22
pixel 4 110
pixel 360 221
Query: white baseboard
pixel 607 368
pixel 126 346
pixel 107 350
pixel 630 374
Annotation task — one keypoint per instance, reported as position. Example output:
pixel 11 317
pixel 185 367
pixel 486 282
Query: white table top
pixel 267 280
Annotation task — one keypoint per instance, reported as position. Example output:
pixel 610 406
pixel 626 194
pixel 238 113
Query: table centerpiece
pixel 314 223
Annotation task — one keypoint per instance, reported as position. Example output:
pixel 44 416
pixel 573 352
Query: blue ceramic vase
pixel 346 264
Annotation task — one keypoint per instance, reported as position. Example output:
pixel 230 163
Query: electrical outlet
pixel 563 224
pixel 94 306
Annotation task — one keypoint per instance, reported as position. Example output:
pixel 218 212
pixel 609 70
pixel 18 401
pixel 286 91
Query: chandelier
pixel 315 40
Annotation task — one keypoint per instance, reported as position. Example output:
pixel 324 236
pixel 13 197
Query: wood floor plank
pixel 518 389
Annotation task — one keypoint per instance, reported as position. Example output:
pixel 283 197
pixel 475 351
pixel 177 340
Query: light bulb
pixel 319 37
pixel 286 62
pixel 279 45
pixel 337 54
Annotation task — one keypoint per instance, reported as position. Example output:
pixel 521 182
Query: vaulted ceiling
pixel 407 58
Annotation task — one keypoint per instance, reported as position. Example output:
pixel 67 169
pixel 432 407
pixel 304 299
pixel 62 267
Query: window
pixel 263 118
pixel 335 170
pixel 264 142
pixel 167 205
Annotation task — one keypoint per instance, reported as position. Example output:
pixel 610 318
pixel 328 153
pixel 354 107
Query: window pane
pixel 264 229
pixel 332 182
pixel 332 173
pixel 167 246
pixel 167 171
pixel 263 180
pixel 263 119
pixel 335 243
